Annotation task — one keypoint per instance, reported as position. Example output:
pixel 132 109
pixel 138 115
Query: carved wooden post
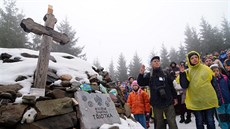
pixel 48 35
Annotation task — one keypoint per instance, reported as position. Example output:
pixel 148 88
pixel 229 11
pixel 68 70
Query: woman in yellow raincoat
pixel 200 93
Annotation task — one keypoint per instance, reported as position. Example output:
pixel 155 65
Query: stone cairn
pixel 57 109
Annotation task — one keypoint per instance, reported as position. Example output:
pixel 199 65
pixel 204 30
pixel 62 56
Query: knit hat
pixel 130 77
pixel 155 57
pixel 214 66
pixel 182 63
pixel 191 54
pixel 172 64
pixel 134 83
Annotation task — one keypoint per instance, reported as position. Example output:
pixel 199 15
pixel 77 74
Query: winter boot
pixel 188 118
pixel 182 120
pixel 187 121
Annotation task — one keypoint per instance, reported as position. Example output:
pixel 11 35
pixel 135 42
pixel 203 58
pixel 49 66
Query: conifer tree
pixel 121 74
pixel 164 57
pixel 134 66
pixel 71 47
pixel 112 70
pixel 11 34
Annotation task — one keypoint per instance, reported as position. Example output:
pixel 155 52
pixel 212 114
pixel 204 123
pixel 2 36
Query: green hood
pixel 188 61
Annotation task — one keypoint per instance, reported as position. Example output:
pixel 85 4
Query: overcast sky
pixel 108 27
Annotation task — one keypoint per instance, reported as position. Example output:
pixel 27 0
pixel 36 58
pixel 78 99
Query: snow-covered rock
pixel 9 72
pixel 64 64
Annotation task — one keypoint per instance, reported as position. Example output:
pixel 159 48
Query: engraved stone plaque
pixel 96 109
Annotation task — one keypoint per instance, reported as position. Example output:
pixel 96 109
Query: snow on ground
pixel 191 125
pixel 132 125
pixel 125 124
pixel 75 67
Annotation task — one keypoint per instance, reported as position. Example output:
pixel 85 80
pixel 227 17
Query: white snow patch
pixel 125 124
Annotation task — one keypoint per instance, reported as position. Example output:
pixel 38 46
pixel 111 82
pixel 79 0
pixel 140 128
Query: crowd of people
pixel 199 85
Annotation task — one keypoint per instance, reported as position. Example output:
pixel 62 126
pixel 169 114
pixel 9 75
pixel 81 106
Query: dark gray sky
pixel 109 27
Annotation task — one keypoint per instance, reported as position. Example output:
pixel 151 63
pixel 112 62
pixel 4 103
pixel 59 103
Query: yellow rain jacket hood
pixel 200 94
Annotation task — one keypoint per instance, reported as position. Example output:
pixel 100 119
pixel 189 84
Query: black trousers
pixel 181 109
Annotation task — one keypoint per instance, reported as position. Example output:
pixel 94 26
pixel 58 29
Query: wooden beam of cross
pixel 48 35
pixel 29 25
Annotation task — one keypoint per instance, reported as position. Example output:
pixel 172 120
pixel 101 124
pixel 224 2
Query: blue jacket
pixel 222 87
pixel 155 83
pixel 223 57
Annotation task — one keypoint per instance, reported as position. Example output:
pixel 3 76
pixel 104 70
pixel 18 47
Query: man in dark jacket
pixel 163 94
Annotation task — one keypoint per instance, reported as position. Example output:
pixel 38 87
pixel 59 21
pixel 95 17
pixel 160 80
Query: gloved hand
pixel 175 102
pixel 147 113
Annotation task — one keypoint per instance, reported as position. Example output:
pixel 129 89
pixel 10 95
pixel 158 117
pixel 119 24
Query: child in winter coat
pixel 223 91
pixel 138 101
pixel 181 107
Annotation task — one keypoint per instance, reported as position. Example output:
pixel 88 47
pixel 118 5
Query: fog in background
pixel 109 27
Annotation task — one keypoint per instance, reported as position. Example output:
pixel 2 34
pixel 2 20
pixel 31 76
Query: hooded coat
pixel 139 102
pixel 197 80
pixel 223 89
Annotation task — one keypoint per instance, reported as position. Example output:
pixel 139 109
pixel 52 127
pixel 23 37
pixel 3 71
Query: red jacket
pixel 139 102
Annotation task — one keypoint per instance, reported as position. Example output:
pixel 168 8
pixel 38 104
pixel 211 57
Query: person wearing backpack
pixel 222 87
pixel 138 101
pixel 163 95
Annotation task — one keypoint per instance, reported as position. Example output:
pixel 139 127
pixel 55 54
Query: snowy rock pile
pixel 22 106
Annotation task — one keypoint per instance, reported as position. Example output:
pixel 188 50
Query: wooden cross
pixel 49 34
